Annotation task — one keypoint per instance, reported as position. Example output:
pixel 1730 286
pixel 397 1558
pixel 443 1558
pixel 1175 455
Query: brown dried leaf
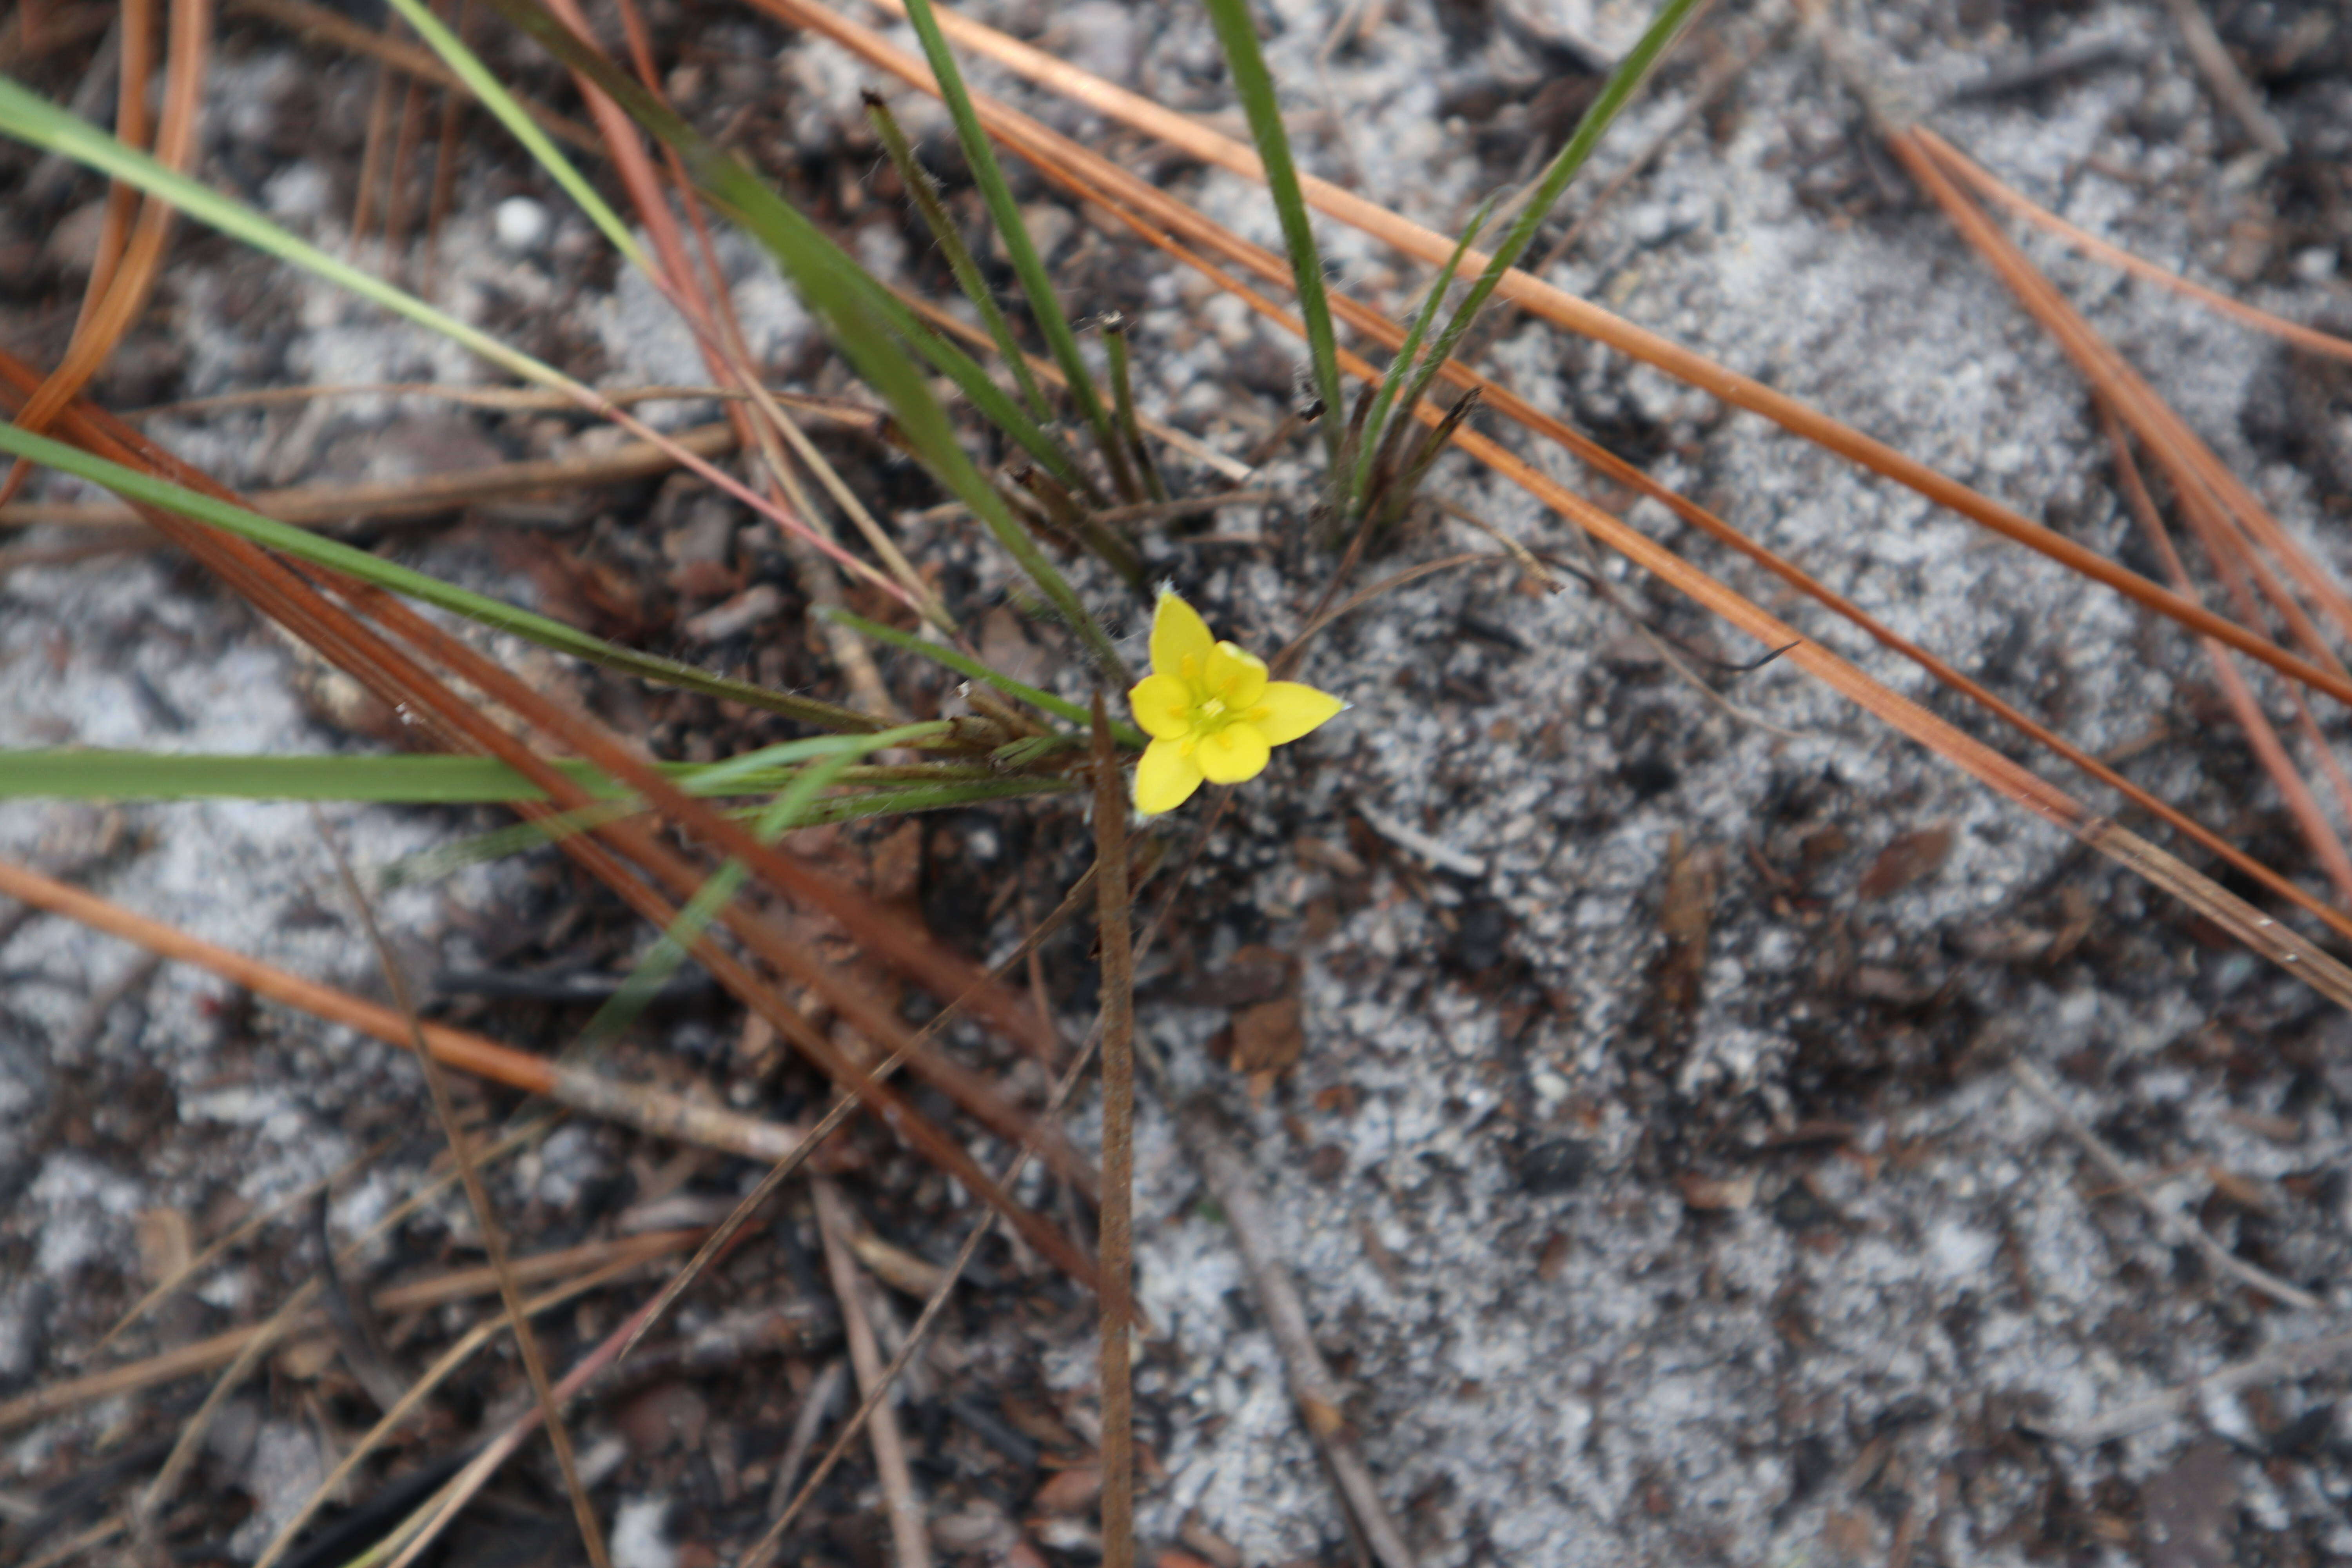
pixel 1072 1491
pixel 1686 915
pixel 1269 1038
pixel 166 1244
pixel 1907 860
pixel 898 864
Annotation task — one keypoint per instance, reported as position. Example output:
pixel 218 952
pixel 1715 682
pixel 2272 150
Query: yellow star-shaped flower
pixel 1210 710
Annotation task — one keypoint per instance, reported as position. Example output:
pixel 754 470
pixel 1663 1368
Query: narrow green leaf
pixel 788 811
pixel 964 665
pixel 133 485
pixel 524 127
pixel 1616 94
pixel 856 310
pixel 924 192
pixel 1238 36
pixel 1027 266
pixel 1400 367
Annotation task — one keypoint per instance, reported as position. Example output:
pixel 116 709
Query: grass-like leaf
pixel 964 665
pixel 134 485
pixel 924 192
pixel 1402 366
pixel 1238 36
pixel 866 324
pixel 512 114
pixel 1045 305
pixel 1616 94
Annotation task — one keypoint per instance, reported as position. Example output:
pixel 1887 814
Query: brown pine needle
pixel 647 1109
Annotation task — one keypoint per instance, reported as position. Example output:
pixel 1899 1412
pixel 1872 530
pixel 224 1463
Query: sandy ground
pixel 1748 1249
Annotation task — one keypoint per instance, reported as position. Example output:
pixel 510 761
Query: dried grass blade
pixel 1237 38
pixel 651 1110
pixel 245 523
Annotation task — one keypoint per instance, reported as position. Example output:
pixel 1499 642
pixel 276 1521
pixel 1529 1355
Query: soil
pixel 1653 1161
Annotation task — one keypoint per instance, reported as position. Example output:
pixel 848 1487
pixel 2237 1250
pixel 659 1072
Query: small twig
pixel 478 1196
pixel 763 1552
pixel 2284 1360
pixel 407 1400
pixel 1116 1255
pixel 1664 647
pixel 192 1435
pixel 2221 74
pixel 355 1325
pixel 1444 857
pixel 806 1423
pixel 1312 1386
pixel 908 1531
pixel 1155 510
pixel 2175 1226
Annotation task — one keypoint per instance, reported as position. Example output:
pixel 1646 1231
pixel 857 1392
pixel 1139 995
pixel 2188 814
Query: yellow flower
pixel 1210 710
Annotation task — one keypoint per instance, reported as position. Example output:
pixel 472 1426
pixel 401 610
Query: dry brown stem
pixel 1312 1387
pixel 1116 1224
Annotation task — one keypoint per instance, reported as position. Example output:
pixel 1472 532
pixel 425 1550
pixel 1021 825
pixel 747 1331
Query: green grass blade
pixel 1238 36
pixel 448 859
pixel 850 302
pixel 1616 94
pixel 964 665
pixel 1400 366
pixel 1122 392
pixel 924 192
pixel 1044 306
pixel 524 129
pixel 33 120
pixel 932 797
pixel 133 485
pixel 74 774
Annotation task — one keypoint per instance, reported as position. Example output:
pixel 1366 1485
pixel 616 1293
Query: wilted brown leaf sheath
pixel 1117 1211
pixel 396 678
pixel 1540 299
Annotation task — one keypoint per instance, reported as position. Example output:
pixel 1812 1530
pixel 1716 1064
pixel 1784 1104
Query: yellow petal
pixel 1233 753
pixel 1163 707
pixel 1166 777
pixel 1289 709
pixel 1178 632
pixel 1234 676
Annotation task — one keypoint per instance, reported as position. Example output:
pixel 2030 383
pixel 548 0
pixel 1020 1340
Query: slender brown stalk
pixel 1116 1318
